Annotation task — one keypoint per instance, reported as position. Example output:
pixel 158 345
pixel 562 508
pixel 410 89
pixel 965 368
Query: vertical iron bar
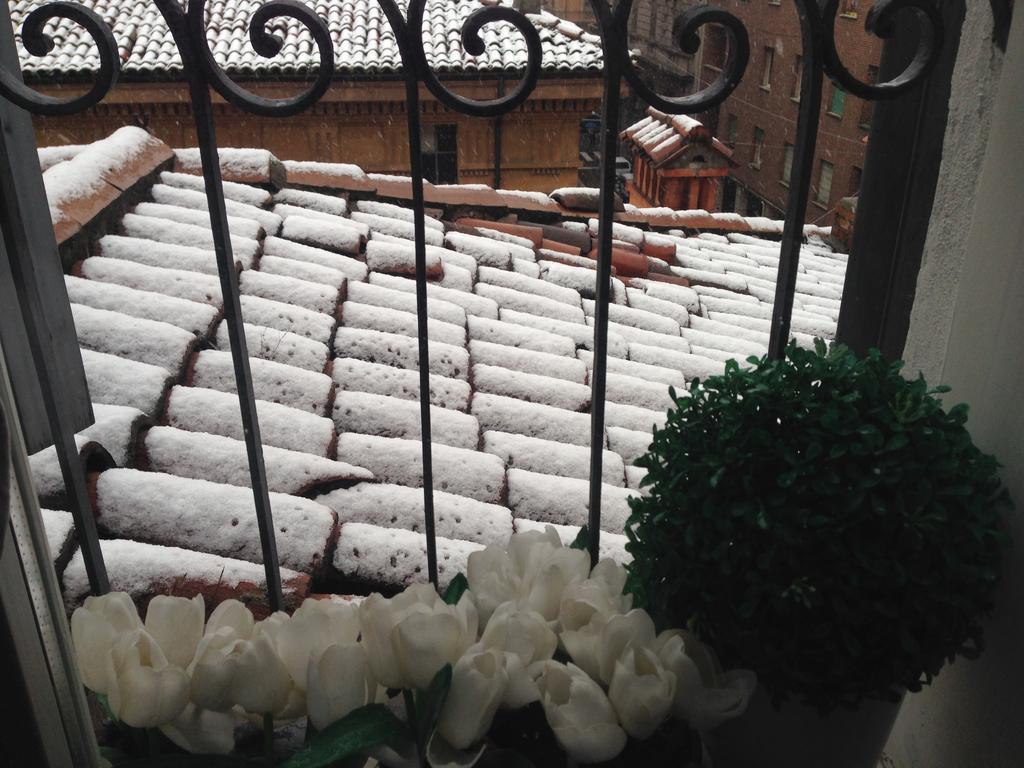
pixel 802 173
pixel 412 107
pixel 202 111
pixel 598 374
pixel 497 136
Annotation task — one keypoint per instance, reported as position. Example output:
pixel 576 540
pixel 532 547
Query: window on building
pixel 824 183
pixel 867 107
pixel 439 144
pixel 787 165
pixel 798 78
pixel 837 105
pixel 731 129
pixel 766 72
pixel 855 176
pixel 755 205
pixel 755 160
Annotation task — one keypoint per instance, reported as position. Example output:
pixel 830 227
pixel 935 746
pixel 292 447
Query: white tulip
pixel 176 623
pixel 202 731
pixel 95 628
pixel 337 682
pixel 145 691
pixel 527 549
pixel 641 691
pixel 493 579
pixel 704 697
pixel 342 617
pixel 378 616
pixel 634 629
pixel 579 713
pixel 478 686
pixel 584 600
pixel 584 644
pixel 233 615
pixel 228 671
pixel 524 638
pixel 553 569
pixel 613 576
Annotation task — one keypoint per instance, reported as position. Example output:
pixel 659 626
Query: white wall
pixel 967 331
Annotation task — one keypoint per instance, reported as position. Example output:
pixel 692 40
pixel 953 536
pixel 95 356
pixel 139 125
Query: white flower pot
pixel 797 736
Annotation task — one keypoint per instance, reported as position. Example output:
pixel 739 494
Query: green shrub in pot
pixel 823 521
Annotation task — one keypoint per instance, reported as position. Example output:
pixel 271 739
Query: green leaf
pixel 104 703
pixel 429 703
pixel 456 588
pixel 360 730
pixel 582 539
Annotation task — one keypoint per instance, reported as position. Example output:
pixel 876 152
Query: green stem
pixel 268 738
pixel 410 710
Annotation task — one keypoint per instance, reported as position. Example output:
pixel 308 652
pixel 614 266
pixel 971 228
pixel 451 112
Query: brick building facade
pixel 758 121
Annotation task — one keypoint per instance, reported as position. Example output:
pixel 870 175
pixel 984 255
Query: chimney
pixel 842 229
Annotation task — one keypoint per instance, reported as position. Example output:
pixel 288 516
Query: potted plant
pixel 825 522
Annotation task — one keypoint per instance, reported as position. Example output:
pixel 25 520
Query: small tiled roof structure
pixel 325 258
pixel 363 41
pixel 662 137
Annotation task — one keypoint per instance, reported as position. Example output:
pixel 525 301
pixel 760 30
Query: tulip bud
pixel 176 623
pixel 145 691
pixel 337 682
pixel 524 638
pixel 579 713
pixel 492 578
pixel 641 691
pixel 478 685
pixel 233 615
pixel 95 627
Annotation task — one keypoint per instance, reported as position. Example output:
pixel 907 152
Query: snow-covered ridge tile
pixel 355 375
pixel 156 254
pixel 396 258
pixel 396 227
pixel 530 387
pixel 316 297
pixel 303 270
pixel 145 341
pixel 330 236
pixel 352 268
pixel 220 459
pixel 612 546
pixel 375 318
pixel 171 192
pixel 188 315
pixel 314 201
pixel 394 558
pixel 287 317
pixel 527 361
pixel 551 458
pixel 207 410
pixel 565 500
pixel 116 381
pixel 177 233
pixel 276 382
pixel 170 282
pixel 248 228
pixel 279 346
pixel 460 471
pixel 385 416
pixel 508 414
pixel 398 506
pixel 400 350
pixel 390 210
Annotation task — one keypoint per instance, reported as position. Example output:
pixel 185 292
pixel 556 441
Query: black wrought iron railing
pixel 820 56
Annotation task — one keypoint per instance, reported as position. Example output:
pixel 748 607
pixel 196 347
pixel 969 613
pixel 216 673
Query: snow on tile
pixel 46 473
pixel 155 254
pixel 611 546
pixel 507 414
pixel 456 278
pixel 143 570
pixel 526 268
pixel 460 471
pixel 116 381
pixel 486 252
pixel 397 506
pixel 579 279
pixel 527 361
pixel 676 294
pixel 635 318
pixel 632 416
pixel 581 335
pixel 379 296
pixel 145 341
pixel 170 282
pixel 219 459
pixel 631 390
pixel 623 232
pixel 191 316
pixel 398 259
pixel 731 344
pixel 677 313
pixel 518 335
pixel 249 228
pixel 565 500
pixel 314 201
pixel 534 304
pixel 531 387
pixel 371 414
pixel 302 270
pixel 389 225
pixel 176 233
pixel 692 366
pixel 278 383
pixel 551 458
pixel 195 199
pixel 473 304
pixel 316 297
pixel 353 269
pixel 721 355
pixel 725 328
pixel 630 444
pixel 649 373
pixel 355 375
pixel 114 429
pixel 400 350
pixel 279 346
pixel 356 315
pixel 635 477
pixel 505 237
pixel 242 193
pixel 60 528
pixel 337 238
pixel 284 210
pixel 399 212
pixel 156 508
pixel 207 410
pixel 394 558
pixel 450 258
pixel 630 335
pixel 287 317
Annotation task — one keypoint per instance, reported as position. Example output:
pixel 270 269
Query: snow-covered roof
pixel 363 40
pixel 662 136
pixel 328 299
